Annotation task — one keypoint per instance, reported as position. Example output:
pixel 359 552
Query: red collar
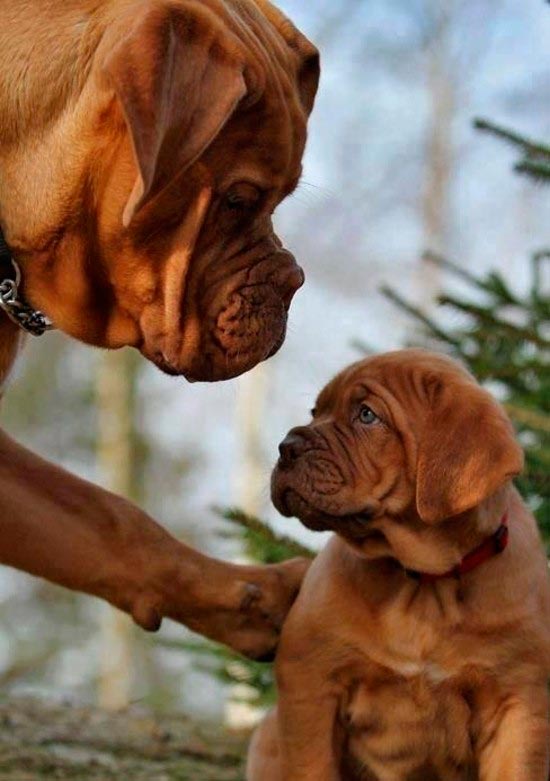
pixel 493 545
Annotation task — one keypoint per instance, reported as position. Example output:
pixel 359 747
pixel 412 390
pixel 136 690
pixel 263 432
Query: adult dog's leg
pixel 64 529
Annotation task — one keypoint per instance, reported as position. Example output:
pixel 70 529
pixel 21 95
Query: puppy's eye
pixel 313 412
pixel 242 198
pixel 366 415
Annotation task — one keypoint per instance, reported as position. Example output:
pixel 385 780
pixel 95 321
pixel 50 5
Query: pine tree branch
pixel 535 420
pixel 419 315
pixel 362 347
pixel 509 374
pixel 537 293
pixel 493 284
pixel 538 170
pixel 264 531
pixel 532 148
pixel 441 262
pixel 485 316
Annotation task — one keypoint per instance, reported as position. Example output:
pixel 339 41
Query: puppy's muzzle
pixel 292 447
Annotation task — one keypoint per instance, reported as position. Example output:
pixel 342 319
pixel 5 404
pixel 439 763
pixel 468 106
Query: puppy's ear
pixel 178 74
pixel 467 450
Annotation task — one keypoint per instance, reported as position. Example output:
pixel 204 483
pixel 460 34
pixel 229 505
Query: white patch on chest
pixel 433 672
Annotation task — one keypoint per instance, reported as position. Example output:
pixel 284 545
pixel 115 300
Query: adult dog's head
pixel 408 434
pixel 186 130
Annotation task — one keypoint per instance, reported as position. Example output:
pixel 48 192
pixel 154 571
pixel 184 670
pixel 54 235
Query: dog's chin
pixel 167 368
pixel 353 525
pixel 215 371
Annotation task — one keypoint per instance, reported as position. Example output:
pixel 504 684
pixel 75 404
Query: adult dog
pixel 419 646
pixel 144 145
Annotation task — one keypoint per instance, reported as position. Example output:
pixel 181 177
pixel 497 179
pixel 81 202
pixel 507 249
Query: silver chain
pixel 27 318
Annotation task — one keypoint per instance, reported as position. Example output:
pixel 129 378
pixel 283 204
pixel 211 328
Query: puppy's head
pixel 405 433
pixel 196 132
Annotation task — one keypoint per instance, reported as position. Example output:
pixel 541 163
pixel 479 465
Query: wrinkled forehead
pixel 267 33
pixel 406 375
pixel 267 134
pixel 261 146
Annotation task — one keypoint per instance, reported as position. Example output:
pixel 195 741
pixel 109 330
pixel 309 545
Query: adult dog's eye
pixel 242 198
pixel 366 415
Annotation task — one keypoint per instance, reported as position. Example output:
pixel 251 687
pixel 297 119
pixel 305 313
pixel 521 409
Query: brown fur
pixel 381 676
pixel 143 147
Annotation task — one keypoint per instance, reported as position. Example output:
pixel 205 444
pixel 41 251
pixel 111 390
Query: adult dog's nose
pixel 290 277
pixel 292 446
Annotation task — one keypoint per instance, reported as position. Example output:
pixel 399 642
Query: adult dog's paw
pixel 266 598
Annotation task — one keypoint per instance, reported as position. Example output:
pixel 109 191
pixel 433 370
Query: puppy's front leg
pixel 514 739
pixel 307 711
pixel 307 729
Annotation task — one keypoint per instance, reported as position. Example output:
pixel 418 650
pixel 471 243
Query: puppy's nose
pixel 291 447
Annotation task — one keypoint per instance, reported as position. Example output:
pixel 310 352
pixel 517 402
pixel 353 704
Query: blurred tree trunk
pixel 251 468
pixel 250 480
pixel 114 390
pixel 439 150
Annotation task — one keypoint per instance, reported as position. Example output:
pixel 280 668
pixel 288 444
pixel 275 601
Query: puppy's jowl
pixel 419 647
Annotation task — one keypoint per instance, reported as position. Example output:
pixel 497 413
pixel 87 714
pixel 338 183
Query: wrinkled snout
pixel 292 447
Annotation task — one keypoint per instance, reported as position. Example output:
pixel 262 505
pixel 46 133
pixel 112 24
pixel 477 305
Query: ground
pixel 64 742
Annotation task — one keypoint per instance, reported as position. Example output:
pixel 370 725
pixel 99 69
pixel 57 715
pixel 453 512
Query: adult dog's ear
pixel 467 450
pixel 309 74
pixel 309 69
pixel 178 75
pixel 308 59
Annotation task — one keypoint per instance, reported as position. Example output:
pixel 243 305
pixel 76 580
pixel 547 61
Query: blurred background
pixel 393 168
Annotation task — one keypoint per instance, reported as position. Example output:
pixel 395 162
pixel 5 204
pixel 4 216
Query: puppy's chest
pixel 413 727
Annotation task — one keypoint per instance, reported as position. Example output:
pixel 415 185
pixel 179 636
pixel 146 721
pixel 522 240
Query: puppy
pixel 419 647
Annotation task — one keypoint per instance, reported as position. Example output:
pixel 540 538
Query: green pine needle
pixel 530 147
pixel 263 544
pixel 538 170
